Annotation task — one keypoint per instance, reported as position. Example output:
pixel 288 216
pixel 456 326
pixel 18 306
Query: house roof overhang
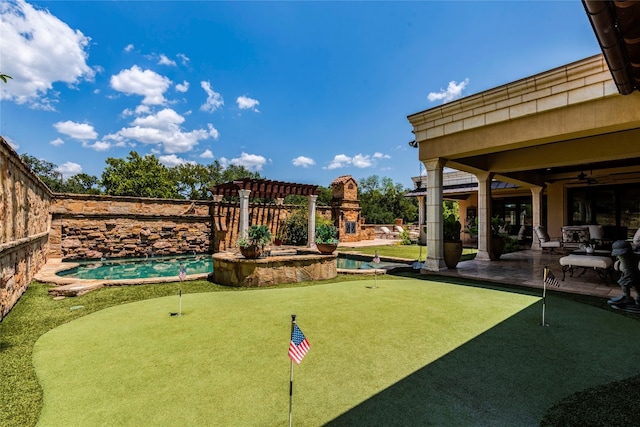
pixel 263 188
pixel 616 25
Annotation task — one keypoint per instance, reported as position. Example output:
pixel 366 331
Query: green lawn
pixel 411 352
pixel 402 251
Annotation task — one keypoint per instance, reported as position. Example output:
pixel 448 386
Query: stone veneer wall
pixel 92 227
pixel 24 226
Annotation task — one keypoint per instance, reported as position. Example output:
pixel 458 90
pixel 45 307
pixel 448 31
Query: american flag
pixel 376 259
pixel 183 273
pixel 298 346
pixel 551 280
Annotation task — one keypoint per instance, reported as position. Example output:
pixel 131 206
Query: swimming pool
pixel 139 268
pixel 347 263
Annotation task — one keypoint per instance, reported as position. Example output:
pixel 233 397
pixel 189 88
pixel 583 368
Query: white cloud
pixel 339 161
pixel 57 142
pixel 182 87
pixel 164 60
pixel 359 160
pixel 147 83
pixel 185 60
pixel 206 154
pixel 303 161
pixel 453 91
pixel 213 132
pixel 214 99
pixel 377 155
pixel 99 145
pixel 128 48
pixel 172 160
pixel 166 119
pixel 39 50
pixel 163 129
pixel 12 143
pixel 253 162
pixel 246 103
pixel 68 169
pixel 362 161
pixel 81 131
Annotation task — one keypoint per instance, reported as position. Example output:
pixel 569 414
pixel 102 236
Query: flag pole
pixel 544 295
pixel 293 321
pixel 180 300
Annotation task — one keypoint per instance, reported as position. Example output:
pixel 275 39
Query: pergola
pixel 267 189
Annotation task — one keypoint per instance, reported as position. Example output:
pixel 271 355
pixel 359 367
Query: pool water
pixel 353 264
pixel 140 268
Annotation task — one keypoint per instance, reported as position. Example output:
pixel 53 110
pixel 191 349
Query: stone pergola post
pixel 311 235
pixel 244 212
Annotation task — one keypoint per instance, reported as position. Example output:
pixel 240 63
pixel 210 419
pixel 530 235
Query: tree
pixel 194 181
pixel 382 201
pixel 139 177
pixel 50 174
pixel 82 183
pixel 4 77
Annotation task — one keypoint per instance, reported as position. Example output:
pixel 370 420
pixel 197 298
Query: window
pixel 350 227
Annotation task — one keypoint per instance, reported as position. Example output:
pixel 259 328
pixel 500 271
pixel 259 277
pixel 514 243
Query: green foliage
pixel 4 77
pixel 497 224
pixel 326 233
pixel 382 201
pixel 294 229
pixel 49 174
pixel 451 227
pixel 405 237
pixel 258 235
pixel 139 177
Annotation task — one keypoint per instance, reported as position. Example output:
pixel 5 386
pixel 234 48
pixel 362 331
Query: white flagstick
pixel 376 261
pixel 544 295
pixel 180 301
pixel 293 321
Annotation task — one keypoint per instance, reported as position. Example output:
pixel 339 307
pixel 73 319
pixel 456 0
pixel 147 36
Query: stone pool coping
pixel 69 286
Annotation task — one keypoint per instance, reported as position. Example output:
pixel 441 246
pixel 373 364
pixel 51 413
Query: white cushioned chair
pixel 546 242
pixel 635 243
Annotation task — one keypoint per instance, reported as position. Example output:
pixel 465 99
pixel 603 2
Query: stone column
pixel 536 214
pixel 311 237
pixel 244 212
pixel 435 232
pixel 484 215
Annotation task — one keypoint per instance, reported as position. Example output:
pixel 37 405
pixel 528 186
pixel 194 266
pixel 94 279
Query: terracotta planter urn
pixel 452 252
pixel 251 251
pixel 326 248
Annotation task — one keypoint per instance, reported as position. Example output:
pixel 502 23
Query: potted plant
pixel 326 238
pixel 452 242
pixel 498 237
pixel 257 237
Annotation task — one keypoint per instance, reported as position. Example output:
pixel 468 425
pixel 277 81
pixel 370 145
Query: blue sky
pixel 299 91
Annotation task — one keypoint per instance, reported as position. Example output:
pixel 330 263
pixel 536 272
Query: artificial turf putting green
pixel 411 352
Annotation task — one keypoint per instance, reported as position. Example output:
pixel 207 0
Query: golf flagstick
pixel 298 347
pixel 293 321
pixel 544 295
pixel 376 261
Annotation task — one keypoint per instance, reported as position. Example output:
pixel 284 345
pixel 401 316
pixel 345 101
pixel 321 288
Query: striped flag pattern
pixel 299 345
pixel 376 259
pixel 183 273
pixel 550 279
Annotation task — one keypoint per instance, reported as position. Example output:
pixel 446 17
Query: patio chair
pixel 545 241
pixel 635 243
pixel 388 234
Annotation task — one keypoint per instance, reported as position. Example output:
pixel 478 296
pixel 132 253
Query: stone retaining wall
pixel 24 226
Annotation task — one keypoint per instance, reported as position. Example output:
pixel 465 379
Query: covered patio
pixel 567 138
